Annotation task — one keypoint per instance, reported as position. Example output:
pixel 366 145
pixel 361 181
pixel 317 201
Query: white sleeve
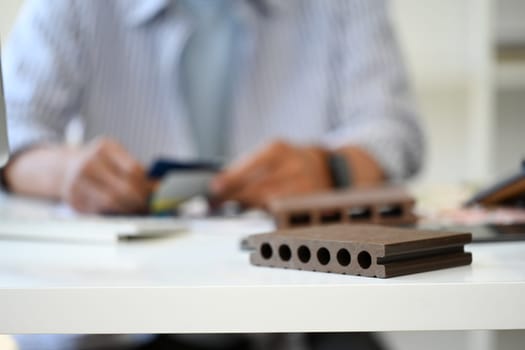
pixel 44 71
pixel 372 106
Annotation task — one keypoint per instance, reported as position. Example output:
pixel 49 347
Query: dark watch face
pixel 4 149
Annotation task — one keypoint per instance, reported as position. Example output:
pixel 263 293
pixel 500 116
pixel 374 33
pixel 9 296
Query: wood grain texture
pixel 367 250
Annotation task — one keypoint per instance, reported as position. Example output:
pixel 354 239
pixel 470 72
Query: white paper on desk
pixel 89 229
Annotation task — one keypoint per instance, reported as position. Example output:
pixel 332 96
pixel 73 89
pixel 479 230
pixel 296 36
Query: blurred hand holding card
pixel 179 181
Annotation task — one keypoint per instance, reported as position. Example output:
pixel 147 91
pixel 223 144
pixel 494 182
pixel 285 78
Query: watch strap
pixel 340 170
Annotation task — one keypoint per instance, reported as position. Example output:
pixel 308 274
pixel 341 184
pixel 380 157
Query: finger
pixel 264 194
pixel 125 165
pixel 286 173
pixel 133 172
pixel 251 169
pixel 129 195
pixel 119 158
pixel 89 197
pixel 283 190
pixel 99 200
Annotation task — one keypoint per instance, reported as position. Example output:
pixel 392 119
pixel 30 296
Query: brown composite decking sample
pixel 367 250
pixel 509 193
pixel 389 205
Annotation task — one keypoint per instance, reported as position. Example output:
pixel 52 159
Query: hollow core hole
pixel 343 257
pixel 304 253
pixel 300 219
pixel 323 255
pixel 331 217
pixel 359 213
pixel 364 259
pixel 391 211
pixel 266 251
pixel 285 252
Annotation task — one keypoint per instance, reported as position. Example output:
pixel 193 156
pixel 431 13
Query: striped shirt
pixel 309 72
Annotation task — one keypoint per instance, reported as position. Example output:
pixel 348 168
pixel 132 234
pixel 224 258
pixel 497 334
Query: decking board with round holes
pixel 386 205
pixel 366 250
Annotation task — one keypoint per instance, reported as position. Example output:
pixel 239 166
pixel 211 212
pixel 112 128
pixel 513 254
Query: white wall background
pixel 8 11
pixel 445 45
pixel 472 102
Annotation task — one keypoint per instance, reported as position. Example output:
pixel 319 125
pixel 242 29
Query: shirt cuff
pixel 398 154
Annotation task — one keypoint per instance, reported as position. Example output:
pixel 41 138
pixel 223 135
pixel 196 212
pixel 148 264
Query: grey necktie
pixel 208 73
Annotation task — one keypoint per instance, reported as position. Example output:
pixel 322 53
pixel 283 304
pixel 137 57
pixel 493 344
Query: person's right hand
pixel 102 177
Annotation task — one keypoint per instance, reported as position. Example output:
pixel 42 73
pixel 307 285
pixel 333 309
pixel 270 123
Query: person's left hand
pixel 280 169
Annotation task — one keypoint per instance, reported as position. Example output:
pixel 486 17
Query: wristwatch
pixel 340 170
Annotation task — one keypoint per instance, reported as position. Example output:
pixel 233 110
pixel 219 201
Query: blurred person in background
pixel 279 89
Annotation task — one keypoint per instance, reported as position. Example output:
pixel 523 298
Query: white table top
pixel 202 282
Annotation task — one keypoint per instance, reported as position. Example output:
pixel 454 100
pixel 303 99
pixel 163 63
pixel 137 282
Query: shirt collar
pixel 139 12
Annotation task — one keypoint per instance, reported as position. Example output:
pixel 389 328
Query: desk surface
pixel 202 282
